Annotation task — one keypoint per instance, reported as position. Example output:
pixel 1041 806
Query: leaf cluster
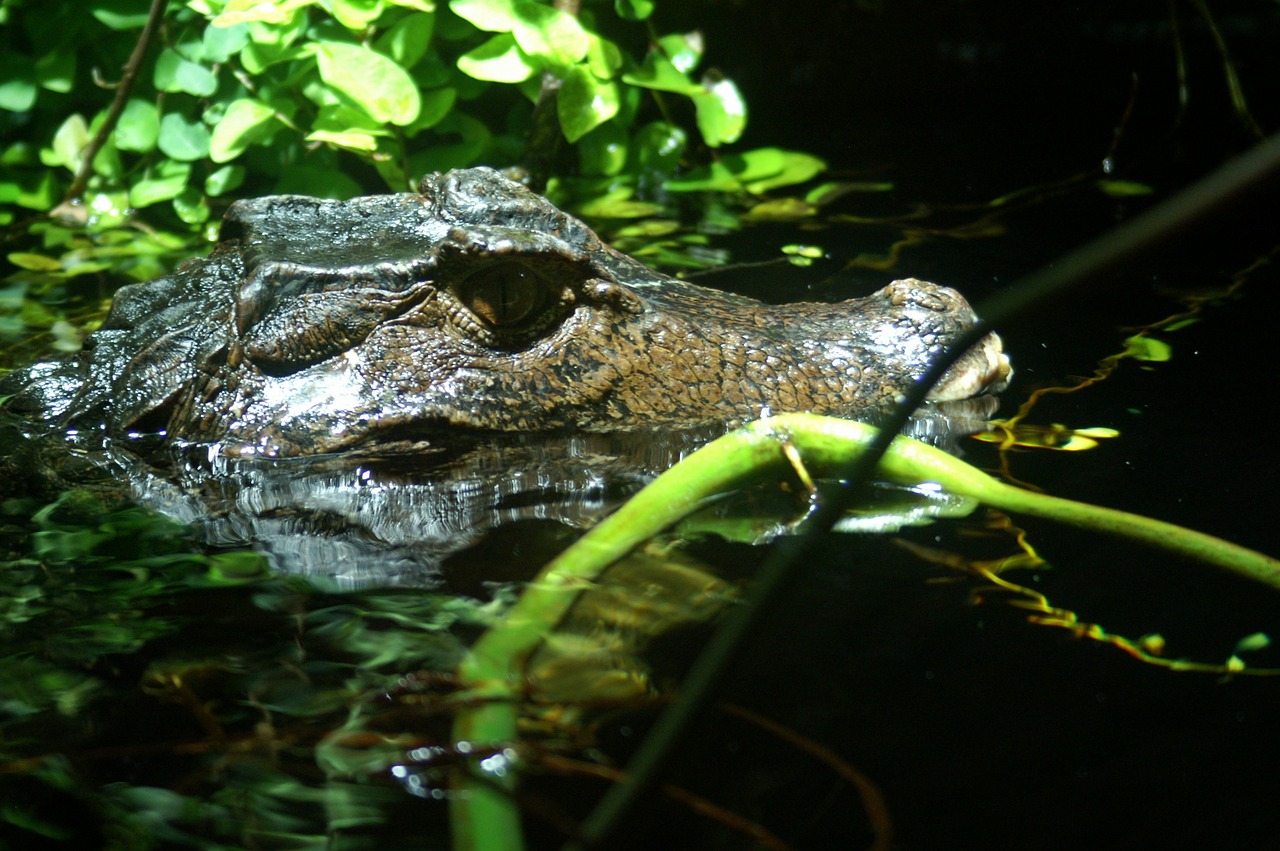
pixel 332 98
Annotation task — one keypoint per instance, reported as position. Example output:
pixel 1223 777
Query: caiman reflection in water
pixel 310 382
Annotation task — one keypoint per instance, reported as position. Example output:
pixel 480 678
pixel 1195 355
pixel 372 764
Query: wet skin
pixel 317 326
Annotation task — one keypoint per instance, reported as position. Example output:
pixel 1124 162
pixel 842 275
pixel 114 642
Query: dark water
pixel 978 728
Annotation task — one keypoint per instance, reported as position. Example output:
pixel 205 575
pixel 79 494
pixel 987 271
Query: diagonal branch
pixel 123 88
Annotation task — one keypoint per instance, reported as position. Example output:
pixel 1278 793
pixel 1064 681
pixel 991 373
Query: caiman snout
pixel 920 321
pixel 985 368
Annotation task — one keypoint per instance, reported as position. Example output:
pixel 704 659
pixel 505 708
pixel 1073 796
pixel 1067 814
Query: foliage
pixel 334 98
pixel 57 293
pixel 123 643
pixel 331 99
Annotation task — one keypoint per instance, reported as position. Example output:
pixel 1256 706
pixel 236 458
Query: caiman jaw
pixel 983 369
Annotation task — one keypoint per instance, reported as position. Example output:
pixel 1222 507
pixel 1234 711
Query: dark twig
pixel 1234 88
pixel 1179 64
pixel 1109 161
pixel 123 88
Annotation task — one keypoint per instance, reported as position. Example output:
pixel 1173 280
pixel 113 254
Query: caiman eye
pixel 504 295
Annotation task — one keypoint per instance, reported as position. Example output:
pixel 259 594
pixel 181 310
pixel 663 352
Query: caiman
pixel 361 389
pixel 317 326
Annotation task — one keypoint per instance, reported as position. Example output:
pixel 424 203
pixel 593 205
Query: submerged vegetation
pixel 304 714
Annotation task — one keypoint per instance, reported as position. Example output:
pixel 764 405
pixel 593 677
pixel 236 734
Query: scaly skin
pixel 317 326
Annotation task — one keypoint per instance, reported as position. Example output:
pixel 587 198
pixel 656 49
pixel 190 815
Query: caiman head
pixel 316 326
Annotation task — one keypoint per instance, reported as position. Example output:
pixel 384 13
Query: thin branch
pixel 125 86
pixel 1234 88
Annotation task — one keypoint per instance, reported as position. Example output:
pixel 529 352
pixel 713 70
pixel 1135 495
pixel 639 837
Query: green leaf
pixel 436 104
pixel 221 43
pixel 756 170
pixel 550 34
pixel 1124 188
pixel 498 60
pixel 56 71
pixel 245 122
pixel 657 149
pixel 809 252
pixel 618 204
pixel 345 126
pixel 489 15
pixel 139 126
pixel 69 142
pixel 1253 643
pixel 784 210
pixel 407 40
pixel 603 151
pixel 121 14
pixel 280 33
pixel 828 192
pixel 190 46
pixel 237 567
pixel 40 196
pixel 585 103
pixel 795 167
pixel 34 262
pixel 256 58
pixel 191 206
pixel 183 139
pixel 319 182
pixel 20 153
pixel 176 74
pixel 633 10
pixel 352 140
pixel 474 135
pixel 659 74
pixel 169 182
pixel 107 161
pixel 37 315
pixel 224 180
pixel 258 12
pixel 684 50
pixel 355 14
pixel 17 83
pixel 721 111
pixel 379 86
pixel 1144 348
pixel 110 210
pixel 603 57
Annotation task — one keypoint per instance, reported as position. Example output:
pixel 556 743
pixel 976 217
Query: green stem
pixel 911 462
pixel 492 674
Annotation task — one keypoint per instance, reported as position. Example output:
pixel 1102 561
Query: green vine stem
pixel 485 815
